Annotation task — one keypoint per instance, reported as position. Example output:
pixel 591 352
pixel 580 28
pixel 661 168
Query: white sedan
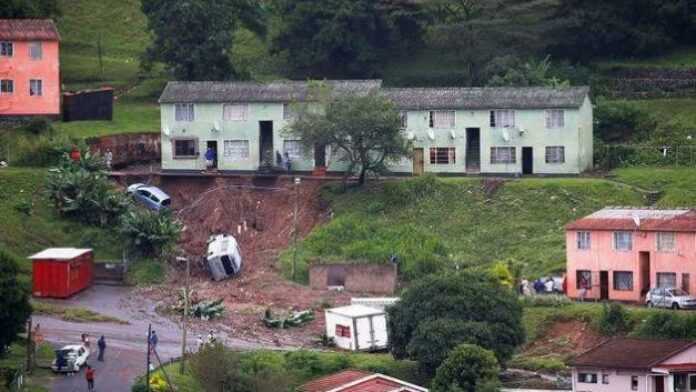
pixel 70 358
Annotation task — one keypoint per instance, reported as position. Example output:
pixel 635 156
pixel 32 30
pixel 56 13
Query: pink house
pixel 640 365
pixel 621 253
pixel 29 68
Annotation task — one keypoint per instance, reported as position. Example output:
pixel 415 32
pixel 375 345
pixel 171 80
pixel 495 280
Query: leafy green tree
pixel 477 307
pixel 29 9
pixel 194 37
pixel 150 233
pixel 363 131
pixel 583 29
pixel 218 369
pixel 468 368
pixel 523 74
pixel 342 39
pixel 14 300
pixel 614 320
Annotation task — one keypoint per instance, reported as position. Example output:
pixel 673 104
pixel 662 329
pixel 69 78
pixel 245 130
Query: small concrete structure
pixel 357 327
pixel 357 277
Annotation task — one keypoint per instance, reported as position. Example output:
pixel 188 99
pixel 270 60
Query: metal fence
pixel 611 156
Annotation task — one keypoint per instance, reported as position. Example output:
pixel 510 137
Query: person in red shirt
pixel 89 376
pixel 75 154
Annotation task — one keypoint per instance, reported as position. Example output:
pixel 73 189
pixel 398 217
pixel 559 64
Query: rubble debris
pixel 295 319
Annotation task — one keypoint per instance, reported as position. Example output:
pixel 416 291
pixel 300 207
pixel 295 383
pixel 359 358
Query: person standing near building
pixel 89 376
pixel 108 158
pixel 209 158
pixel 101 344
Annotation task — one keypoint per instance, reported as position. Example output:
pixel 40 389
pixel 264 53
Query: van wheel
pixel 675 306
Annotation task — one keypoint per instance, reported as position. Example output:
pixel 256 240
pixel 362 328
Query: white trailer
pixel 223 256
pixel 357 327
pixel 380 303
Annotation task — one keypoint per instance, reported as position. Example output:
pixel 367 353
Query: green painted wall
pixel 575 136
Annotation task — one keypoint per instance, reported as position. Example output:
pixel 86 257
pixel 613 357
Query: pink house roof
pixel 643 219
pixel 333 381
pixel 359 381
pixel 28 30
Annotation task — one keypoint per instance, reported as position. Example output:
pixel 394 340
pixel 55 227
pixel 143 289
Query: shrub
pixel 39 125
pixel 468 368
pixel 545 301
pixel 149 233
pixel 621 122
pixel 667 325
pixel 14 300
pixel 214 366
pixel 40 151
pixel 614 320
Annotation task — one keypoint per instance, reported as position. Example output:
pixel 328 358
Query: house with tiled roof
pixel 29 68
pixel 456 131
pixel 359 381
pixel 642 365
pixel 619 253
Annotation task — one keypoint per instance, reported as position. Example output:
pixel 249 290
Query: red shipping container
pixel 62 272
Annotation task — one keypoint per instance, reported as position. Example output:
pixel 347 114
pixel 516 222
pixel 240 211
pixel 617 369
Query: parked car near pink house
pixel 641 365
pixel 621 253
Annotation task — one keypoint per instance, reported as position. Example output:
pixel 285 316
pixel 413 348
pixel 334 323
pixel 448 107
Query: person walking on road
pixel 101 344
pixel 89 376
pixel 153 340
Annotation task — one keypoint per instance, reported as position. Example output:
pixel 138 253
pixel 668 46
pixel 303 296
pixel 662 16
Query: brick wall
pixel 359 278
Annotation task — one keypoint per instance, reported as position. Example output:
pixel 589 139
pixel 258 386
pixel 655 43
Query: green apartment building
pixel 458 131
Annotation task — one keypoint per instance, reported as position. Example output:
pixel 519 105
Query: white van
pixel 223 258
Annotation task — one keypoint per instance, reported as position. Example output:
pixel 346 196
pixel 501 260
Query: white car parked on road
pixel 670 298
pixel 70 358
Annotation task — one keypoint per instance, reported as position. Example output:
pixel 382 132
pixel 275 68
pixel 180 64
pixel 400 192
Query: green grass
pixel 146 272
pixel 430 222
pixel 678 185
pixel 677 111
pixel 24 234
pixel 73 314
pixel 678 58
pixel 41 376
pixel 129 117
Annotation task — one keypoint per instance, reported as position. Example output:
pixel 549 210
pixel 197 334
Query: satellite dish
pixel 636 220
pixel 521 130
pixel 216 126
pixel 410 135
pixel 453 134
pixel 431 134
pixel 506 135
pixel 165 131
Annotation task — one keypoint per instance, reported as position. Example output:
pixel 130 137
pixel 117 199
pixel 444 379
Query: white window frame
pixel 583 378
pixel 188 115
pixel 238 146
pixel 7 82
pixel 435 123
pixel 584 240
pixel 615 237
pixel 671 238
pixel 555 118
pixel 4 51
pixel 293 148
pixel 235 112
pixel 662 275
pixel 615 278
pixel 555 154
pixel 180 139
pixel 35 49
pixel 450 153
pixel 502 118
pixel 33 91
pixel 511 158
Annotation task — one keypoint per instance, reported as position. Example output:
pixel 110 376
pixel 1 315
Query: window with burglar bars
pixel 403 116
pixel 666 241
pixel 184 112
pixel 185 148
pixel 6 87
pixel 236 150
pixel 235 112
pixel 666 280
pixel 35 87
pixel 583 279
pixel 35 50
pixel 503 155
pixel 584 240
pixel 623 240
pixel 293 148
pixel 555 154
pixel 342 331
pixel 502 118
pixel 555 118
pixel 6 49
pixel 442 155
pixel 623 280
pixel 443 119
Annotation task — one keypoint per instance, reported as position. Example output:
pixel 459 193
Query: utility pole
pixel 294 231
pixel 185 316
pixel 147 372
pixel 30 347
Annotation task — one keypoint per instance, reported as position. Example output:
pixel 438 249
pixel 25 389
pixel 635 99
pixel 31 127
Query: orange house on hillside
pixel 29 68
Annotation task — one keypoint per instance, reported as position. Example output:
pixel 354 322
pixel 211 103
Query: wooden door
pixel 659 384
pixel 418 161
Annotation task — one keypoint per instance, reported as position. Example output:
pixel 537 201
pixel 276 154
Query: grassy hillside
pixel 431 223
pixel 29 223
pixel 677 185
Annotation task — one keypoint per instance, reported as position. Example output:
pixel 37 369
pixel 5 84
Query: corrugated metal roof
pixel 487 97
pixel 28 30
pixel 59 253
pixel 682 220
pixel 635 354
pixel 333 381
pixel 279 91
